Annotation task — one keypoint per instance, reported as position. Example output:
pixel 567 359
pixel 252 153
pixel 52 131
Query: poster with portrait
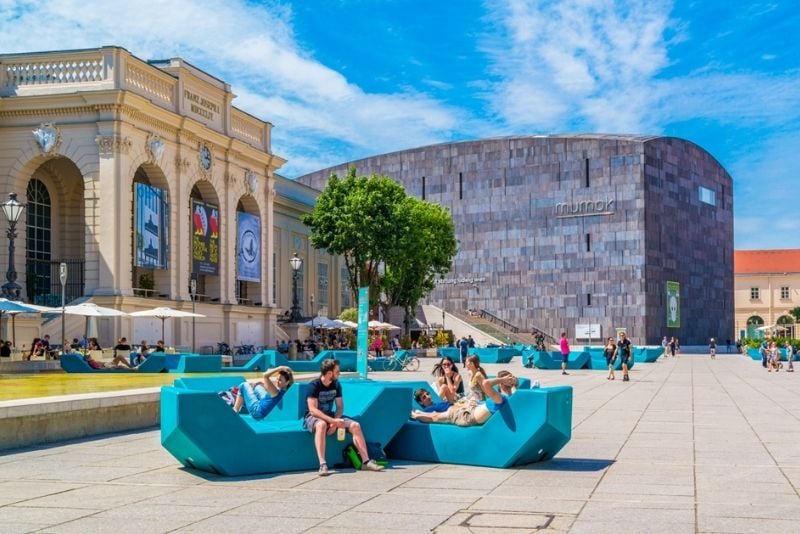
pixel 248 247
pixel 673 304
pixel 150 224
pixel 205 238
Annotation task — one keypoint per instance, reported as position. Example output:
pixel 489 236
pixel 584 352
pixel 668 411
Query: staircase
pixel 460 327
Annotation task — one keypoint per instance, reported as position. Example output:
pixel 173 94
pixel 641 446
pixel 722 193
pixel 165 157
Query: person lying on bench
pixel 261 396
pixel 473 413
pixel 425 400
pixel 119 362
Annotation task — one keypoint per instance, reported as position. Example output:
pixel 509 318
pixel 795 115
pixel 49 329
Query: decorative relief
pixel 206 159
pixel 182 164
pixel 155 148
pixel 251 179
pixel 48 136
pixel 109 144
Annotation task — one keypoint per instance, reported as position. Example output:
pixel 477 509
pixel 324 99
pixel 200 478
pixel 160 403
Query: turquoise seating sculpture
pixel 204 433
pixel 195 363
pixel 531 426
pixel 597 359
pixel 755 354
pixel 543 359
pixel 74 363
pixel 347 360
pixel 258 362
pixel 486 354
pixel 647 354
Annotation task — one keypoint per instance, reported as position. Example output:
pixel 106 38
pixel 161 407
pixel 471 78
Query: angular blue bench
pixel 74 363
pixel 204 433
pixel 258 363
pixel 347 361
pixel 597 359
pixel 647 354
pixel 495 354
pixel 533 425
pixel 543 359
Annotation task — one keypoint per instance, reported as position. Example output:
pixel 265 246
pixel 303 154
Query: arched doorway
pixel 753 324
pixel 204 246
pixel 54 232
pixel 150 254
pixel 249 263
pixel 785 325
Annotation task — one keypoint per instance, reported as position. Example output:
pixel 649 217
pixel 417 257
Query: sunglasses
pixel 447 365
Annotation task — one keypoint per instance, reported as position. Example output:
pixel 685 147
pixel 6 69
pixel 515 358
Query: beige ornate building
pixel 767 287
pixel 138 174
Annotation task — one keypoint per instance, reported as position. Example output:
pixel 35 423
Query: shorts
pixel 462 415
pixel 610 360
pixel 310 422
pixel 564 357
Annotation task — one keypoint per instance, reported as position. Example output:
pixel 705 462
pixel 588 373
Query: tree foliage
pixel 389 241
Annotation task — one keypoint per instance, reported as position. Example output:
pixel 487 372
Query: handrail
pixel 492 318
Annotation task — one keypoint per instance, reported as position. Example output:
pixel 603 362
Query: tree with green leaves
pixel 389 241
pixel 356 218
pixel 423 253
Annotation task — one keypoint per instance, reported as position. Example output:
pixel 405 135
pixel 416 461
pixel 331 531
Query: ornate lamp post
pixel 12 209
pixel 294 315
pixel 312 314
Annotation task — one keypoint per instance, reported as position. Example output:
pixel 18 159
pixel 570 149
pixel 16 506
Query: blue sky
pixel 345 79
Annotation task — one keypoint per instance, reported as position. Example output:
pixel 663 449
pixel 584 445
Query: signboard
pixel 363 330
pixel 150 226
pixel 248 247
pixel 673 304
pixel 587 331
pixel 205 238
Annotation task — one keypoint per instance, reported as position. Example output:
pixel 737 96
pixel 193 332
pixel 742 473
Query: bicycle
pixel 406 362
pixel 224 349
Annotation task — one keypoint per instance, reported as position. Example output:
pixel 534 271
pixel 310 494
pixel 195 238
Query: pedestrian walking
pixel 712 348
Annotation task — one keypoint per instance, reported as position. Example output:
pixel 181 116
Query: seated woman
pixel 476 378
pixel 473 413
pixel 37 349
pixel 450 387
pixel 263 395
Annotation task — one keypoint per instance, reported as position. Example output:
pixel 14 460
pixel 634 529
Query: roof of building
pixel 766 261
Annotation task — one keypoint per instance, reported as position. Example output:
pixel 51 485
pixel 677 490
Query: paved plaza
pixel 689 445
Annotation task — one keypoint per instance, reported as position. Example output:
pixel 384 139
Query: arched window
pixel 753 325
pixel 38 242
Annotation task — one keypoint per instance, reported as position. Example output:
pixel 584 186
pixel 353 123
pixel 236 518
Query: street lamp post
pixel 294 315
pixel 312 315
pixel 62 277
pixel 12 209
pixel 193 291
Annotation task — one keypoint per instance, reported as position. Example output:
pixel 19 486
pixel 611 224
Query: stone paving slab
pixel 689 445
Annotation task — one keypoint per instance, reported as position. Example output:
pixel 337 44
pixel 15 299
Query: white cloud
pixel 254 49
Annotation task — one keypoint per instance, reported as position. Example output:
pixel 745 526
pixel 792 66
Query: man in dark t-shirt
pixel 624 351
pixel 324 416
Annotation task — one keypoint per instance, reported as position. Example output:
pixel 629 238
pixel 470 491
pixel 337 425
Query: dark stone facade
pixel 556 231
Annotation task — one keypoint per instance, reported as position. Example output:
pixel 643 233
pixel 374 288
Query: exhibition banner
pixel 150 223
pixel 362 347
pixel 205 238
pixel 248 247
pixel 673 304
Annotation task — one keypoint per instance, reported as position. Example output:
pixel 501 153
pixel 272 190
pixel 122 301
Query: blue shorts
pixel 564 357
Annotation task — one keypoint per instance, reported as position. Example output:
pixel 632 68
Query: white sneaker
pixel 536 384
pixel 372 465
pixel 323 470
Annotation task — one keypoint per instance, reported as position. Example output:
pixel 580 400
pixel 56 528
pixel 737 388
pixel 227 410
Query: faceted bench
pixel 347 360
pixel 201 431
pixel 531 426
pixel 74 363
pixel 543 359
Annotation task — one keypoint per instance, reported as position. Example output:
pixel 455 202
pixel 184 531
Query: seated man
pixel 473 413
pixel 425 400
pixel 325 414
pixel 263 395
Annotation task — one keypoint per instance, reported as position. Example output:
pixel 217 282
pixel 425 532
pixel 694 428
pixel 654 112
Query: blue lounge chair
pixel 495 354
pixel 543 359
pixel 202 432
pixel 347 361
pixel 533 425
pixel 74 363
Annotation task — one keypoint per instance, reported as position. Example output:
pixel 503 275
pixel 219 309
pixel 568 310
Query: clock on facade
pixel 205 157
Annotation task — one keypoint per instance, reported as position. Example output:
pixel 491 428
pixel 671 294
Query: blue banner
pixel 150 226
pixel 248 247
pixel 363 330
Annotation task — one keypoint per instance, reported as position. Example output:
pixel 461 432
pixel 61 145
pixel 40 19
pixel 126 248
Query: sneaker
pixel 564 373
pixel 371 465
pixel 323 470
pixel 536 384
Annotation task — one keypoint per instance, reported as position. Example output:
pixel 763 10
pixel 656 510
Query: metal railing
pixel 42 283
pixel 492 318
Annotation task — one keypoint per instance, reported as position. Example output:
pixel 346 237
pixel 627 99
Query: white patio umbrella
pixel 90 309
pixel 163 313
pixel 11 307
pixel 380 325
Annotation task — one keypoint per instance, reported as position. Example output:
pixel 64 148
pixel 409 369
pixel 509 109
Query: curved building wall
pixel 560 231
